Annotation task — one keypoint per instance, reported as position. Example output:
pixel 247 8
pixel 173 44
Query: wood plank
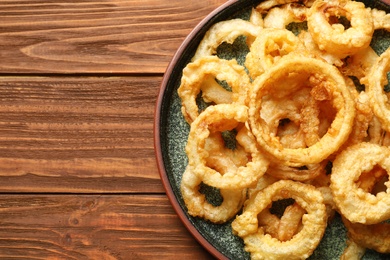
pixel 93 227
pixel 88 36
pixel 70 134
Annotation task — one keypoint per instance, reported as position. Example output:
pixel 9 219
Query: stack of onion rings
pixel 301 102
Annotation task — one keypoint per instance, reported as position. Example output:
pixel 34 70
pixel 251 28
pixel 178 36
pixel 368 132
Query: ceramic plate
pixel 171 132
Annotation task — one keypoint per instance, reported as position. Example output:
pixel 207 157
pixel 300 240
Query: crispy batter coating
pixel 282 16
pixel 225 31
pixel 354 203
pixel 375 236
pixel 197 74
pixel 268 47
pixel 334 37
pixel 198 206
pixel 286 77
pixel 376 80
pixel 302 244
pixel 219 118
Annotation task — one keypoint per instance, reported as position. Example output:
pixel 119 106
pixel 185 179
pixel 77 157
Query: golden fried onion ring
pixel 219 118
pixel 268 47
pixel 375 236
pixel 302 244
pixel 282 16
pixel 379 100
pixel 328 83
pixel 267 5
pixel 200 71
pixel 225 31
pixel 334 38
pixel 354 203
pixel 198 206
pixel 381 19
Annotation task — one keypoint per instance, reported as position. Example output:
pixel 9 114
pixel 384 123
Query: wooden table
pixel 78 85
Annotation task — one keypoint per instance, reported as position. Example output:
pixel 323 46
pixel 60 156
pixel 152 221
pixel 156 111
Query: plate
pixel 171 132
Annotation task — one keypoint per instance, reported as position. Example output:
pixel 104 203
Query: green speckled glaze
pixel 173 132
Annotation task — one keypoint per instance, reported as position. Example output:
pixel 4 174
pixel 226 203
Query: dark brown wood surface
pixel 78 86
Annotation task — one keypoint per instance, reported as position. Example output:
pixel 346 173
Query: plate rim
pixel 157 133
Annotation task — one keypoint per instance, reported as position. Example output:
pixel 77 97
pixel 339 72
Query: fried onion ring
pixel 225 31
pixel 354 203
pixel 280 17
pixel 196 73
pixel 334 38
pixel 375 236
pixel 220 118
pixel 268 47
pixel 379 99
pixel 302 244
pixel 326 83
pixel 198 206
pixel 269 4
pixel 381 19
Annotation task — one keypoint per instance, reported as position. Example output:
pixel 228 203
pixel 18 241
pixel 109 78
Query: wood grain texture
pixel 91 227
pixel 105 36
pixel 78 86
pixel 84 134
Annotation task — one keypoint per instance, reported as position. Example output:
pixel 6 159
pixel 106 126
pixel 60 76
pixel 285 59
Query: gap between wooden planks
pixel 71 134
pixel 93 227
